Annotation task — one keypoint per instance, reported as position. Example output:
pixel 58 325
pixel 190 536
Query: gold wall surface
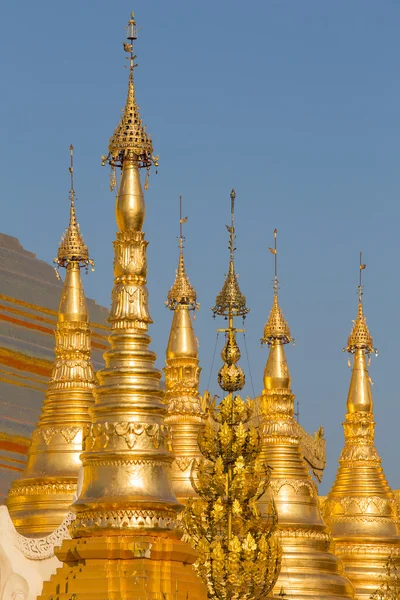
pixel 29 298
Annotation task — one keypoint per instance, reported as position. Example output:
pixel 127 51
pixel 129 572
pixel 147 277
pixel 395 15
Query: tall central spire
pixel 360 508
pixel 309 569
pixel 125 540
pixel 40 500
pixel 186 413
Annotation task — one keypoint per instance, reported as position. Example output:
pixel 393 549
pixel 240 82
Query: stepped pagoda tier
pixel 309 567
pixel 39 501
pixel 186 413
pixel 361 509
pixel 125 542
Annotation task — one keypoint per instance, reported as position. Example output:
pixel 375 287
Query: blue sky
pixel 295 104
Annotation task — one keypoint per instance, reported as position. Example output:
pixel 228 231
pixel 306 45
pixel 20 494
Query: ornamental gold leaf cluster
pixel 390 586
pixel 238 553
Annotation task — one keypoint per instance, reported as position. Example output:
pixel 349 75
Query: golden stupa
pixel 125 543
pixel 309 567
pixel 39 501
pixel 361 509
pixel 136 447
pixel 186 411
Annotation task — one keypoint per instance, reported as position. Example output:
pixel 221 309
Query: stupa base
pixel 125 568
pixel 310 570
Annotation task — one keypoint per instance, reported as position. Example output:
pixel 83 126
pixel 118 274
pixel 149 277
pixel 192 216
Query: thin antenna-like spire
pixel 128 47
pixel 71 169
pixel 182 220
pixel 274 251
pixel 360 286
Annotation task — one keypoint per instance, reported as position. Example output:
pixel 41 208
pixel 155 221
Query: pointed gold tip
pixel 276 329
pixel 360 337
pixel 182 292
pixel 130 137
pixel 72 248
pixel 230 301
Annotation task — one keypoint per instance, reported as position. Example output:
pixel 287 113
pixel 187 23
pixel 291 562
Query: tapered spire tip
pixel 276 328
pixel 182 292
pixel 72 248
pixel 360 337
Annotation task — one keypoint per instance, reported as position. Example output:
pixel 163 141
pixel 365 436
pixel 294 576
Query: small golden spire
pixel 72 247
pixel 276 328
pixel 230 300
pixel 130 136
pixel 231 303
pixel 40 500
pixel 360 337
pixel 182 292
pixel 186 410
pixel 361 505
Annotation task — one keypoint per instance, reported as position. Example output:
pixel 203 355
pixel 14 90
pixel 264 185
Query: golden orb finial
pixel 182 292
pixel 72 247
pixel 360 337
pixel 276 328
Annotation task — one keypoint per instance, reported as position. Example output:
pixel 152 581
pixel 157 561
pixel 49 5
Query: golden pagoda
pixel 186 411
pixel 39 501
pixel 125 542
pixel 361 509
pixel 309 567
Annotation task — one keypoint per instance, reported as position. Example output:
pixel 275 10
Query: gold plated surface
pixel 230 300
pixel 238 551
pixel 125 526
pixel 186 409
pixel 361 509
pixel 40 499
pixel 309 567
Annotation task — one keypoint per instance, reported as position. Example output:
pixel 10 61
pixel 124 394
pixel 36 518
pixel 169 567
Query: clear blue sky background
pixel 295 104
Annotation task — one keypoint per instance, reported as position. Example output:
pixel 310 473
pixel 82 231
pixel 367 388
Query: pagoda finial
pixel 130 138
pixel 230 302
pixel 360 337
pixel 182 292
pixel 276 329
pixel 72 248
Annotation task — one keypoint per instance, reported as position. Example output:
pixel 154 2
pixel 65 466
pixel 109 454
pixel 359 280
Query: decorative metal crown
pixel 230 300
pixel 360 337
pixel 182 292
pixel 276 328
pixel 130 136
pixel 72 248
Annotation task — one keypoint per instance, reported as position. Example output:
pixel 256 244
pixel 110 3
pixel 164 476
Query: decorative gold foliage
pixel 238 552
pixel 390 586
